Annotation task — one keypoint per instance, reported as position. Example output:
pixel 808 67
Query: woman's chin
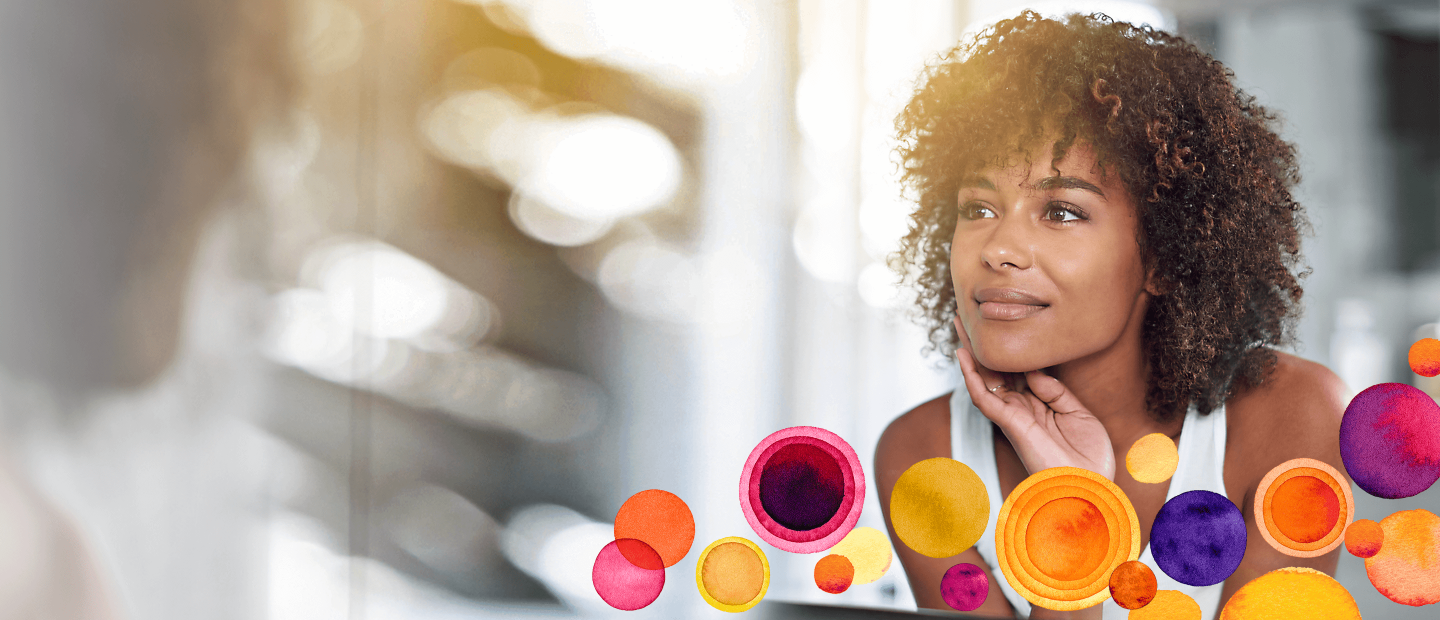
pixel 1005 361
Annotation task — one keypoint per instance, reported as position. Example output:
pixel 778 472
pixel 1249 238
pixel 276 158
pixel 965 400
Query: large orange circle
pixel 1052 577
pixel 1303 506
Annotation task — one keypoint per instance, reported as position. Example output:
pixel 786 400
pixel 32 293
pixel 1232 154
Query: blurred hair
pixel 1211 179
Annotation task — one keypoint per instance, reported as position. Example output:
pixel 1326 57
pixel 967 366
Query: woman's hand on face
pixel 1046 424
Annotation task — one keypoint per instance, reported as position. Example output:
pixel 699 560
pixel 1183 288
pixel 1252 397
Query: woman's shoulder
pixel 1294 412
pixel 916 435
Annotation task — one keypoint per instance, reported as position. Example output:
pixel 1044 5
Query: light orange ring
pixel 1071 482
pixel 1265 498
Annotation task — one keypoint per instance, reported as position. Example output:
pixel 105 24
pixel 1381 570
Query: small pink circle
pixel 964 587
pixel 621 583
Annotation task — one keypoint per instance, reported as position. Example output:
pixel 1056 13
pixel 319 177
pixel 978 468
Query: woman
pixel 1106 236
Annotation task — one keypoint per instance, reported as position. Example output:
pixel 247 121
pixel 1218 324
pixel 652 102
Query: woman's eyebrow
pixel 1058 182
pixel 977 182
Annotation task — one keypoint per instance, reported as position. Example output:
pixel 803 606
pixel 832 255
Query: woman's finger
pixel 1053 393
pixel 988 402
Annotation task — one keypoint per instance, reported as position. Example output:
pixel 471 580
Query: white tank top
pixel 1202 466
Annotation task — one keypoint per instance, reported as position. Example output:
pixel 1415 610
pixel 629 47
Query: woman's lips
pixel 1001 311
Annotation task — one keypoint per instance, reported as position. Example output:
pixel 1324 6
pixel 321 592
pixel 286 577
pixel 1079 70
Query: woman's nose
pixel 1008 244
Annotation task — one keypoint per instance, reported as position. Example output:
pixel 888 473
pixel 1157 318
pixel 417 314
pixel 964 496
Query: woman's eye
pixel 1060 212
pixel 976 211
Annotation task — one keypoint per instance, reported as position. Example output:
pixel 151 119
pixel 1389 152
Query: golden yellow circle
pixel 1152 458
pixel 939 507
pixel 868 550
pixel 1037 491
pixel 1265 497
pixel 1168 605
pixel 1291 594
pixel 732 574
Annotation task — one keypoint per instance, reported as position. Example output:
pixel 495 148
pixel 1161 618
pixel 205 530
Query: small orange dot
pixel 834 573
pixel 1425 357
pixel 1132 585
pixel 1364 538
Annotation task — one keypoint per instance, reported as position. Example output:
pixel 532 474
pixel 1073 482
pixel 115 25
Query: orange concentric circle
pixel 1305 505
pixel 1059 535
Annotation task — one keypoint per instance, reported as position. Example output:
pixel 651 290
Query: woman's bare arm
pixel 1296 413
pixel 923 433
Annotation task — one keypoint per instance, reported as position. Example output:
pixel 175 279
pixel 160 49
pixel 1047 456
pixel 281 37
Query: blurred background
pixel 379 309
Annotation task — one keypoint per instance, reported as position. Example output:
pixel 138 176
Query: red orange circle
pixel 834 573
pixel 659 518
pixel 1364 538
pixel 1304 506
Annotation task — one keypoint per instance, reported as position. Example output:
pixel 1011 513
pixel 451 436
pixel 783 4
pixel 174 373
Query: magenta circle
pixel 840 524
pixel 624 585
pixel 1390 440
pixel 964 587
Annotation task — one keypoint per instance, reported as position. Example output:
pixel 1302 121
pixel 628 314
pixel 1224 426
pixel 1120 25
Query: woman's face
pixel 1047 266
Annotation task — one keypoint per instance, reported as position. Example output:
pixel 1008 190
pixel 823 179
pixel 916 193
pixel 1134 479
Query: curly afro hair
pixel 1213 182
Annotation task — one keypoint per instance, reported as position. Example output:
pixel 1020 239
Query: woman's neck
pixel 1112 384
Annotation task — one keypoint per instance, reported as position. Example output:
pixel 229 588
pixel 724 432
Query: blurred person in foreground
pixel 122 124
pixel 1107 238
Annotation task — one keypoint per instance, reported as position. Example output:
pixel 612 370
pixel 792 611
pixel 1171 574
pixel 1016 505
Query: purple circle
pixel 622 584
pixel 964 587
pixel 1198 538
pixel 809 475
pixel 1390 440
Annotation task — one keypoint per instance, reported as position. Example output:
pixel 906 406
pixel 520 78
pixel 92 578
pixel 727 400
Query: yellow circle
pixel 939 507
pixel 868 551
pixel 732 574
pixel 1168 605
pixel 1152 458
pixel 1292 594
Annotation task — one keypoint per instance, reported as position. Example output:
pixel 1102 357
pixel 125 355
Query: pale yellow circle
pixel 939 507
pixel 1153 458
pixel 868 550
pixel 1168 605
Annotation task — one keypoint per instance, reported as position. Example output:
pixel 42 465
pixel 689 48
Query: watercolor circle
pixel 1198 538
pixel 834 574
pixel 964 587
pixel 802 489
pixel 659 518
pixel 939 507
pixel 732 574
pixel 1390 440
pixel 1168 605
pixel 1405 569
pixel 627 585
pixel 1364 538
pixel 1049 567
pixel 1133 585
pixel 1305 506
pixel 1425 357
pixel 1152 458
pixel 868 550
pixel 1292 593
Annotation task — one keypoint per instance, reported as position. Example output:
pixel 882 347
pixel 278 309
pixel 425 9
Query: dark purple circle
pixel 801 487
pixel 1198 538
pixel 964 587
pixel 1390 440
